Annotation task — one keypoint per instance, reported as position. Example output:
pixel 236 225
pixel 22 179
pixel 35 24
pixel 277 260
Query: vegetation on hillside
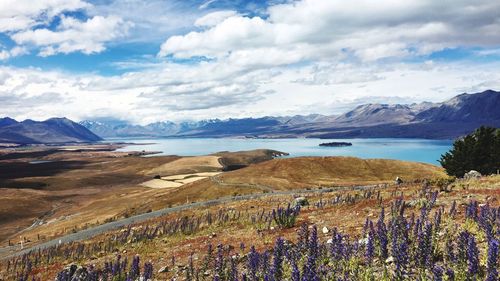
pixel 478 151
pixel 431 246
pixel 424 234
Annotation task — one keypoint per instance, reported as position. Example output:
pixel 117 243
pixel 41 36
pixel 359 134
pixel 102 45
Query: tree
pixel 478 151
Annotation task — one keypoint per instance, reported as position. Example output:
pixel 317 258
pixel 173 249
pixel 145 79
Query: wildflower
pixel 370 244
pixel 492 262
pixel 134 270
pixel 278 259
pixel 472 257
pixel 253 263
pixel 148 271
pixel 450 274
pixel 437 271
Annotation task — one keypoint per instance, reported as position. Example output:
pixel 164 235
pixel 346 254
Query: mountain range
pixel 54 130
pixel 446 120
pixel 450 119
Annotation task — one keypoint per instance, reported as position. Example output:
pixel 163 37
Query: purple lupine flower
pixel 233 273
pixel 382 236
pixel 336 250
pixel 135 268
pixel 295 271
pixel 472 257
pixel 253 263
pixel 264 264
pixel 370 244
pixel 450 274
pixel 425 245
pixel 486 220
pixel 383 240
pixel 417 228
pixel 433 199
pixel 399 249
pixel 309 272
pixel 471 210
pixel 365 227
pixel 437 272
pixel 492 262
pixel 303 237
pixel 463 241
pixel 148 271
pixel 450 251
pixel 219 261
pixel 116 267
pixel 285 218
pixel 278 259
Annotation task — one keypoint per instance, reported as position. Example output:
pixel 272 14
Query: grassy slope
pixel 349 218
pixel 303 172
pixel 300 173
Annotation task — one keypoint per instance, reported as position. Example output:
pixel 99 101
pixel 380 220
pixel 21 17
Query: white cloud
pixel 74 35
pixel 185 92
pixel 369 30
pixel 14 52
pixel 18 15
pixel 26 21
pixel 309 56
pixel 153 19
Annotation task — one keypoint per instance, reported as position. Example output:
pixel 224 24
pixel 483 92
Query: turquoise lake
pixel 419 150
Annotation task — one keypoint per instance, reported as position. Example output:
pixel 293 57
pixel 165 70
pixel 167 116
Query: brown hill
pixel 303 172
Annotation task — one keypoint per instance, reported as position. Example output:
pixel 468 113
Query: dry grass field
pixel 70 188
pixel 173 251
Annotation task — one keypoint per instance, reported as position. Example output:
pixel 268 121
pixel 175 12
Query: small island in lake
pixel 336 144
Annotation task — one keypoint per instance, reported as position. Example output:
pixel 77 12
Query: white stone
pixel 325 230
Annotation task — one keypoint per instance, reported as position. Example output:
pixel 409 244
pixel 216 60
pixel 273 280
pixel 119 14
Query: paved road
pixel 91 232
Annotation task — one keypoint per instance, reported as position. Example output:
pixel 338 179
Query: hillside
pixel 349 232
pixel 304 172
pixel 54 130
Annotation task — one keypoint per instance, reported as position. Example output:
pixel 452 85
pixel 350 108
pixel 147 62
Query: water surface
pixel 419 150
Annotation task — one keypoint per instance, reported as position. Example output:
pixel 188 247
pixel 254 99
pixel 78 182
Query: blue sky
pixel 157 60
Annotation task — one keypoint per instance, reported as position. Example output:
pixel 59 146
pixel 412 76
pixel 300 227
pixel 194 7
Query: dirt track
pixel 6 252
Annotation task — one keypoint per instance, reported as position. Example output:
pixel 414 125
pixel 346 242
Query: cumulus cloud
pixel 74 35
pixel 308 56
pixel 27 24
pixel 18 15
pixel 365 29
pixel 153 19
pixel 179 92
pixel 14 52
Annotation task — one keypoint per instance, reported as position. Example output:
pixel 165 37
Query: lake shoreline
pixel 417 150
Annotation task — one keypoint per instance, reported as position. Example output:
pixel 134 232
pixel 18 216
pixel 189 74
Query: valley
pixel 74 188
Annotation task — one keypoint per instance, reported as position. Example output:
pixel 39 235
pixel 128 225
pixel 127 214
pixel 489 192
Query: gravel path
pixel 5 252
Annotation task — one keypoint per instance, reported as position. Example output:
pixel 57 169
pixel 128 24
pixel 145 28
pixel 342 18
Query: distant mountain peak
pixel 53 130
pixel 7 121
pixel 373 119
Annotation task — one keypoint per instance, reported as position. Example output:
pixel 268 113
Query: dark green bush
pixel 478 151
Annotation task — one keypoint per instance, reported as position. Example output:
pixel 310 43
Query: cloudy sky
pixel 155 60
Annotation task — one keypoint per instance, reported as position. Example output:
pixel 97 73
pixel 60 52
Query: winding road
pixel 6 252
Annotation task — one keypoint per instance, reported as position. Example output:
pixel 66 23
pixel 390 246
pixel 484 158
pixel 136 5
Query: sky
pixel 179 60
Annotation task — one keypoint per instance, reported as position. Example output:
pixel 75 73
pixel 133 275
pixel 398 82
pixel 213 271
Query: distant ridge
pixel 453 118
pixel 54 130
